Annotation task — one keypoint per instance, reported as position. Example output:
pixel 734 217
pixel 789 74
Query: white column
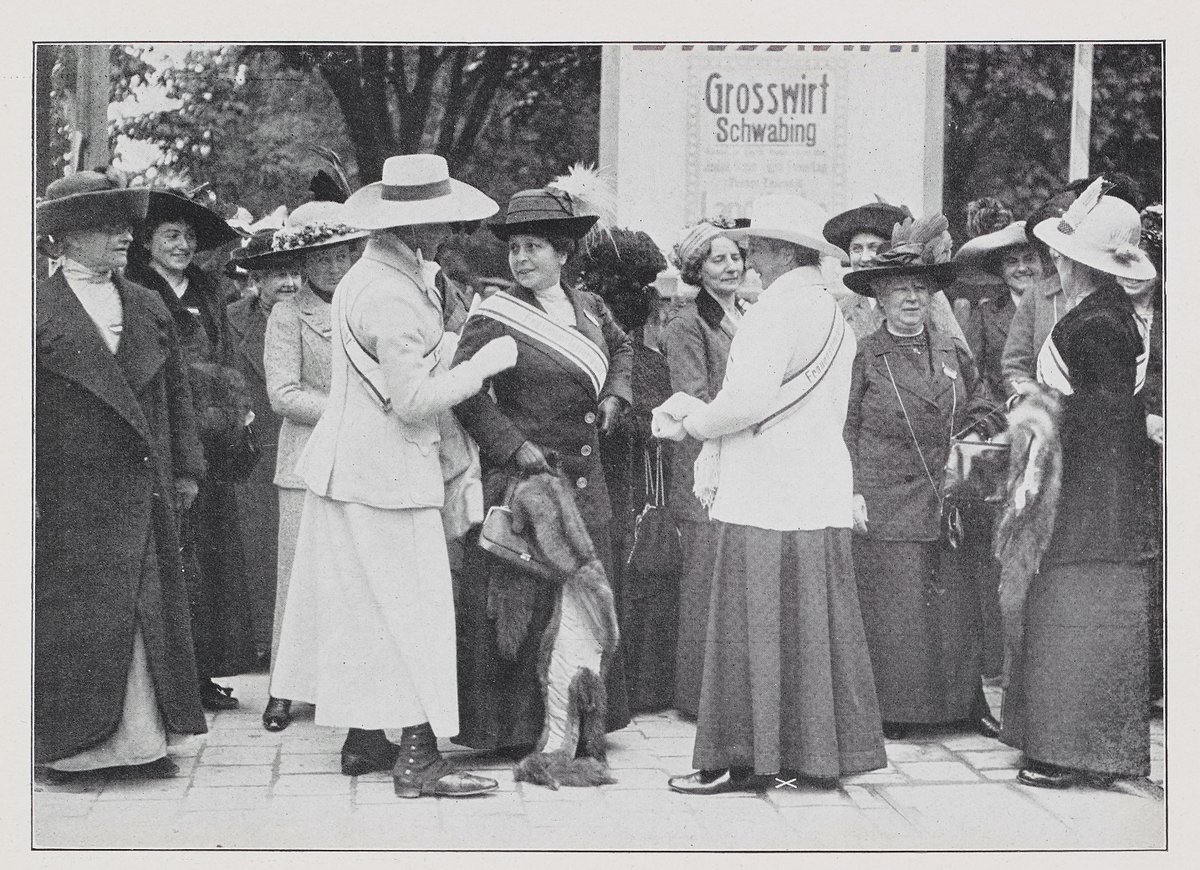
pixel 1081 111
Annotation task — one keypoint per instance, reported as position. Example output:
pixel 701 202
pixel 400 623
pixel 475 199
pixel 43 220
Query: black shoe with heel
pixel 278 714
pixel 367 752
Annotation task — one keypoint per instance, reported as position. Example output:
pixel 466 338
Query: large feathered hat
pixel 918 247
pixel 568 207
pixel 1099 231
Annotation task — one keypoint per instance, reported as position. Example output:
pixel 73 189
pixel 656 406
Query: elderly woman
pixel 787 688
pixel 1076 702
pixel 161 259
pixel 307 258
pixel 117 457
pixel 570 386
pixel 696 343
pixel 368 630
pixel 912 389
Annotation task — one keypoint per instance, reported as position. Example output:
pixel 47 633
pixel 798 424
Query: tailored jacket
pixel 247 331
pixel 902 503
pixel 987 332
pixel 297 359
pixel 696 343
pixel 1039 309
pixel 359 451
pixel 547 400
pixel 112 432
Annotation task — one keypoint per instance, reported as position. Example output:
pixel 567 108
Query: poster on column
pixel 693 131
pixel 753 123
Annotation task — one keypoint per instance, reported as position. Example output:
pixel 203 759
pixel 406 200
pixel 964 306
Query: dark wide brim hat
pixel 544 213
pixel 85 200
pixel 211 229
pixel 258 254
pixel 876 218
pixel 860 280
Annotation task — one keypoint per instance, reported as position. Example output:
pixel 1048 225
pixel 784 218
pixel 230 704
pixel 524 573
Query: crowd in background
pixel 734 465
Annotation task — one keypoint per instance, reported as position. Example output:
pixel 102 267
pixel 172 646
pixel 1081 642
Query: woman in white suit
pixel 371 577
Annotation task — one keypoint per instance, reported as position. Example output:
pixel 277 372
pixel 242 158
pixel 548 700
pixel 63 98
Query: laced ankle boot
pixel 421 770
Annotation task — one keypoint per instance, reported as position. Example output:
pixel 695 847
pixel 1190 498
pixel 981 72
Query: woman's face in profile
pixel 534 263
pixel 173 245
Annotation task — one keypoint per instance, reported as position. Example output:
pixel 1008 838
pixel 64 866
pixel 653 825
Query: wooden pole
pixel 1081 112
pixel 88 108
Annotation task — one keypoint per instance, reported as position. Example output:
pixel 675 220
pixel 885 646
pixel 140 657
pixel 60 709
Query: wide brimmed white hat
pixel 788 218
pixel 1102 232
pixel 416 189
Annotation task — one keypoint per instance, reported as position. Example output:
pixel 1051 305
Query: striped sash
pixel 799 383
pixel 567 344
pixel 1053 371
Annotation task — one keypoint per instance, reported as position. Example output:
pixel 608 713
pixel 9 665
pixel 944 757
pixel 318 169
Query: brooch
pixel 949 372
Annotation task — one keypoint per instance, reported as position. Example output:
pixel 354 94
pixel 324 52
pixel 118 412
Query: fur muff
pixel 1026 521
pixel 544 510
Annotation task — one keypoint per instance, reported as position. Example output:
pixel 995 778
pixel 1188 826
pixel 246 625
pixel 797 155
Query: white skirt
pixel 368 632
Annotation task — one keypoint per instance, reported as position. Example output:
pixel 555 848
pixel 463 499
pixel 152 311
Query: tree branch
pixel 495 65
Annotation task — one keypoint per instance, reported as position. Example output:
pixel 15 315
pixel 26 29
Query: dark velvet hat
pixel 876 218
pixel 211 229
pixel 89 199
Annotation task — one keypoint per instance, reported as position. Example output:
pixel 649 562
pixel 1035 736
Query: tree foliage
pixel 1008 117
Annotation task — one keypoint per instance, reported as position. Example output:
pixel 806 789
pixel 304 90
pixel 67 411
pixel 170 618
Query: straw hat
pixel 788 218
pixel 416 189
pixel 89 199
pixel 1099 231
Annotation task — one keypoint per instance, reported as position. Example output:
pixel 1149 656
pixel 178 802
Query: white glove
pixel 496 356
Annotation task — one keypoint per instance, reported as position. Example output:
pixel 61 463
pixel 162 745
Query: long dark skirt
pixel 1077 696
pixel 787 678
pixel 648 623
pixel 258 511
pixel 500 698
pixel 923 629
pixel 218 592
pixel 695 589
pixel 980 565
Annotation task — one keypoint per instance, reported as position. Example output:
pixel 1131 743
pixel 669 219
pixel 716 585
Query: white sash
pixel 1053 371
pixel 798 384
pixel 570 344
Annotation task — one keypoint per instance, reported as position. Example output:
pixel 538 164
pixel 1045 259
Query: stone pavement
pixel 242 787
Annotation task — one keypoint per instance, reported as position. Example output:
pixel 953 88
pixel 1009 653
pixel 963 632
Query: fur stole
pixel 1026 520
pixel 544 510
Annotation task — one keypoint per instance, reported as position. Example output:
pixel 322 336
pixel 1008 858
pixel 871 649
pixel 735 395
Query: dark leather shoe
pixel 451 784
pixel 894 731
pixel 278 714
pixel 709 782
pixel 987 726
pixel 357 763
pixel 1042 775
pixel 214 697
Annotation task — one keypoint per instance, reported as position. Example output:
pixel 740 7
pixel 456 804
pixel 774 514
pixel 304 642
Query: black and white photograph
pixel 598 445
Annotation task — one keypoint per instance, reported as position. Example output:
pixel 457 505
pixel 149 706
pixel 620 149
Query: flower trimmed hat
pixel 258 254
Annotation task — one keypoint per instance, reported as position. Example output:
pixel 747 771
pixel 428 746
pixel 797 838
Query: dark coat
pixel 543 401
pixel 1103 505
pixel 696 343
pixel 214 556
pixel 258 499
pixel 902 505
pixel 987 331
pixel 112 432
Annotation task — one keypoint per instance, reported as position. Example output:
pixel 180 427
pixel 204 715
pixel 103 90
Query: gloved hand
pixel 611 410
pixel 186 491
pixel 860 514
pixel 1156 429
pixel 496 356
pixel 529 458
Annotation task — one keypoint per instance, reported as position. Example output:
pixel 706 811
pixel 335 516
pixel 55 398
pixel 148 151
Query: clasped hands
pixel 669 420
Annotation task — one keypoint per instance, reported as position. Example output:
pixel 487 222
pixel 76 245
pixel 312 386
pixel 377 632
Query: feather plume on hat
pixel 592 194
pixel 919 245
pixel 332 185
pixel 1083 205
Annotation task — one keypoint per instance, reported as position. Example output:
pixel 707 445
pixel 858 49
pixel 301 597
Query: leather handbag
pixel 657 549
pixel 977 470
pixel 497 537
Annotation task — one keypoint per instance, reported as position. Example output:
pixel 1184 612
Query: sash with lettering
pixel 567 345
pixel 797 385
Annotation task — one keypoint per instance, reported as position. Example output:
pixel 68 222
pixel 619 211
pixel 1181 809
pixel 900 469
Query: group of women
pixel 823 600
